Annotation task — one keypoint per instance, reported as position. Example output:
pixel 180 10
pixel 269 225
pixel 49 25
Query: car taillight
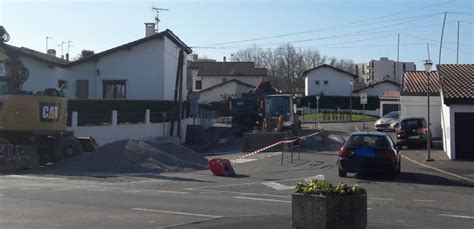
pixel 424 130
pixel 388 153
pixel 400 131
pixel 343 152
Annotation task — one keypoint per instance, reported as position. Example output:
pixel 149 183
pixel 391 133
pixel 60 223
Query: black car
pixel 412 132
pixel 369 152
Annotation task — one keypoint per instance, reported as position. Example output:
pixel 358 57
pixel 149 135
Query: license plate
pixel 364 152
pixel 414 137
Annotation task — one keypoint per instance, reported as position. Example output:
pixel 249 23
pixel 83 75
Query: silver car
pixel 388 122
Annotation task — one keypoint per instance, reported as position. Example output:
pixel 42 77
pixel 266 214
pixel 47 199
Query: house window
pixel 316 82
pixel 114 89
pixel 62 84
pixel 224 80
pixel 326 82
pixel 198 85
pixel 82 89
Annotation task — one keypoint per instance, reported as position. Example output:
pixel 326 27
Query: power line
pixel 329 28
pixel 428 39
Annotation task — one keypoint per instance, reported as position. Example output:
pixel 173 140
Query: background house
pixel 230 89
pixel 413 100
pixel 457 95
pixel 376 89
pixel 383 69
pixel 142 69
pixel 328 80
pixel 211 78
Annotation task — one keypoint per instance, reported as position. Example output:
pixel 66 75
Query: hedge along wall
pixel 342 102
pixel 99 112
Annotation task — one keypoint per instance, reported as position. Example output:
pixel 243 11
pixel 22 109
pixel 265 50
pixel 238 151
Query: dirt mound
pixel 133 156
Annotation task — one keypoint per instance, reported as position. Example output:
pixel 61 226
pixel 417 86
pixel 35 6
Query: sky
pixel 359 30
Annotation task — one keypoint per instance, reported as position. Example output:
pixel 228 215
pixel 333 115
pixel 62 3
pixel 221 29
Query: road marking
pixel 458 216
pixel 175 212
pixel 278 186
pixel 418 200
pixel 261 199
pixel 96 190
pixel 175 192
pixel 383 199
pixel 391 224
pixel 335 138
pixel 247 193
pixel 210 193
pixel 131 191
pixel 438 170
pixel 63 189
pixel 243 160
pixel 369 208
pixel 357 129
pixel 29 188
pixel 34 177
pixel 239 184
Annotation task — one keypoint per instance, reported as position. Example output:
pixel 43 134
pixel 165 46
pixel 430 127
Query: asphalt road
pixel 418 198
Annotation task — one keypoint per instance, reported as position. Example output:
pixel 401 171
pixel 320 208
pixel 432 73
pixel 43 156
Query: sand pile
pixel 134 156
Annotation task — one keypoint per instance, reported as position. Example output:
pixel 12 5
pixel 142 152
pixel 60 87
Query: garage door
pixel 464 127
pixel 387 108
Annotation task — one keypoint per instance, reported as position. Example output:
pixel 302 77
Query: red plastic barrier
pixel 214 167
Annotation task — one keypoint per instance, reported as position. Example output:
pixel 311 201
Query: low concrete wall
pixel 144 131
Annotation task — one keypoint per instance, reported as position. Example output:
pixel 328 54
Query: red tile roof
pixel 390 95
pixel 457 83
pixel 416 83
pixel 375 84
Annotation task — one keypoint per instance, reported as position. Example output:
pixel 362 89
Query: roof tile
pixel 457 83
pixel 415 83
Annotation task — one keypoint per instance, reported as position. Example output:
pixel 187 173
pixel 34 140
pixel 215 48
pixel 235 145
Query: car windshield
pixel 371 141
pixel 276 106
pixel 394 115
pixel 412 124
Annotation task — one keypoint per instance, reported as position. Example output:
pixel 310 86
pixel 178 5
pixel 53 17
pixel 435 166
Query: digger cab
pixel 280 105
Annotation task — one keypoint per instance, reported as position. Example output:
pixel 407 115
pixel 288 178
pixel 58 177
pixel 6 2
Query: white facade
pixel 385 69
pixel 328 81
pixel 416 106
pixel 210 81
pixel 449 127
pixel 148 69
pixel 232 89
pixel 378 89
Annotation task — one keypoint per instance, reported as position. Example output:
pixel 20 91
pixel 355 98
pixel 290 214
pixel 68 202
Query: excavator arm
pixel 13 74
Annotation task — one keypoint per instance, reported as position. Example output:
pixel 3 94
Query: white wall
pixel 338 82
pixel 381 68
pixel 449 128
pixel 232 88
pixel 416 106
pixel 86 71
pixel 42 76
pixel 378 89
pixel 171 53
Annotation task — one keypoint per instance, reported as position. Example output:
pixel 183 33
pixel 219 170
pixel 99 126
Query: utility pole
pixel 457 48
pixel 441 42
pixel 398 59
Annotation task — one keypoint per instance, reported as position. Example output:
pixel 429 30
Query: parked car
pixel 388 122
pixel 369 152
pixel 412 132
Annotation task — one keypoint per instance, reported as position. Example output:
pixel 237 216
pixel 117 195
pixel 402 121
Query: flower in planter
pixel 318 187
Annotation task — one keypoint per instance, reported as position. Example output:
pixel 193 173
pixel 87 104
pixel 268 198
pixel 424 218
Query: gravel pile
pixel 133 156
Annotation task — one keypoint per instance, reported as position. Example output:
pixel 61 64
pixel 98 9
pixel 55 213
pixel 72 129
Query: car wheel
pixel 342 173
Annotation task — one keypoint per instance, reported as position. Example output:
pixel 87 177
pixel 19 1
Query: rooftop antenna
pixel 157 17
pixel 62 48
pixel 47 39
pixel 69 46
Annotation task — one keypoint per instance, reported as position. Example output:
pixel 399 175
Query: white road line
pixel 96 190
pixel 261 199
pixel 29 188
pixel 278 186
pixel 175 192
pixel 210 193
pixel 369 208
pixel 246 193
pixel 458 216
pixel 383 199
pixel 438 170
pixel 34 177
pixel 419 200
pixel 131 191
pixel 240 184
pixel 175 212
pixel 357 129
pixel 242 160
pixel 63 189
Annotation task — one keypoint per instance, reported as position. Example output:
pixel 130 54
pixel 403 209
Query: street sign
pixel 363 98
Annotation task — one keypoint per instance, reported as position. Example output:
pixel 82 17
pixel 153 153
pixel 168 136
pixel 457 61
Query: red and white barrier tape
pixel 273 145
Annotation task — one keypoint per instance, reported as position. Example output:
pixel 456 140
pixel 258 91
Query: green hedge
pixel 98 112
pixel 342 102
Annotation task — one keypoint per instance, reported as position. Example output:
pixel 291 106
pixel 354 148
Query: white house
pixel 377 89
pixel 230 89
pixel 413 99
pixel 143 69
pixel 389 101
pixel 457 95
pixel 328 80
pixel 206 74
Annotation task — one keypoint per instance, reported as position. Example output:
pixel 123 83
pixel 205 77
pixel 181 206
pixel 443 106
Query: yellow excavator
pixel 34 118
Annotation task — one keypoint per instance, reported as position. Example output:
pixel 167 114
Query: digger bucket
pixel 88 144
pixel 260 140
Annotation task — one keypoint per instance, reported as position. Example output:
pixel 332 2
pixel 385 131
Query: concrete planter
pixel 328 212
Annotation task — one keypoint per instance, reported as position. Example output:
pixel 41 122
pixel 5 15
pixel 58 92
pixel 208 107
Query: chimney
pixel 225 59
pixel 67 56
pixel 150 29
pixel 51 52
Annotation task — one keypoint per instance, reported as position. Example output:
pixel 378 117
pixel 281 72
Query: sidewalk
pixel 457 169
pixel 261 222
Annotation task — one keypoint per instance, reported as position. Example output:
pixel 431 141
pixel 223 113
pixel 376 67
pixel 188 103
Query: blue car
pixel 369 152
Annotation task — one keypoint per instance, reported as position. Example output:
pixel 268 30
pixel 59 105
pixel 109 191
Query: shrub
pixel 316 187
